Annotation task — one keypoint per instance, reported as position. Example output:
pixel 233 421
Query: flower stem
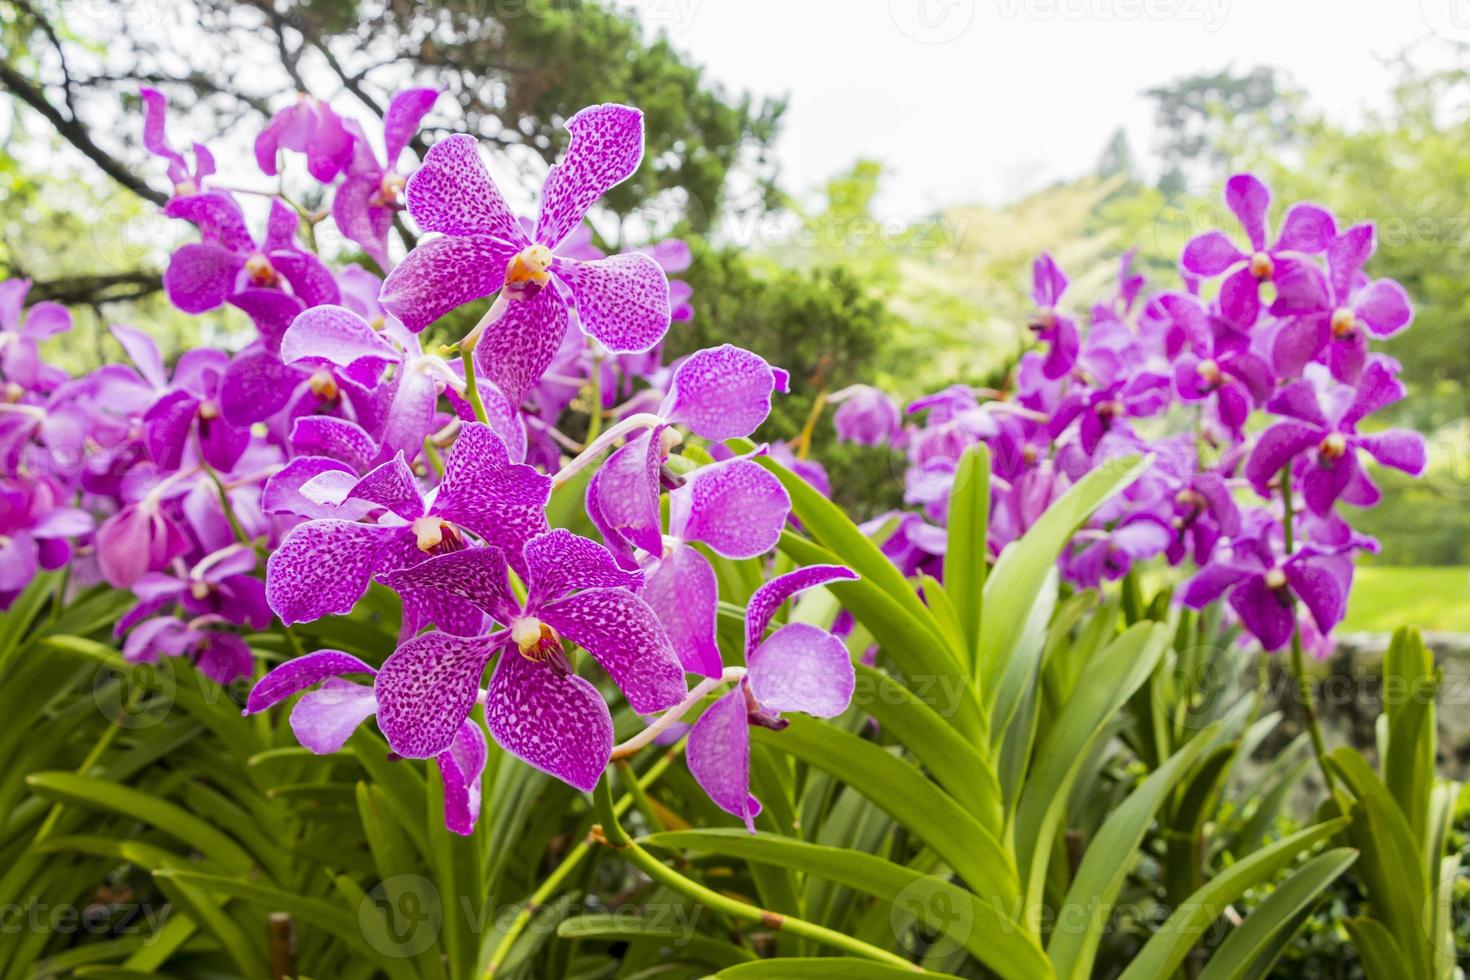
pixel 1298 660
pixel 617 838
pixel 558 877
pixel 595 448
pixel 671 717
pixel 594 411
pixel 431 453
pixel 803 444
pixel 227 507
pixel 471 386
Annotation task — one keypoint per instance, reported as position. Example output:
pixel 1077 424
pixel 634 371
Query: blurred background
pixel 864 184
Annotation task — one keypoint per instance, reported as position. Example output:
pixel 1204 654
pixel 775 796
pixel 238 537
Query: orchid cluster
pixel 282 480
pixel 1252 385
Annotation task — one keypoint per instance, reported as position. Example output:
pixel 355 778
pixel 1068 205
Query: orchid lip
pixel 428 532
pixel 323 385
pixel 259 271
pixel 527 272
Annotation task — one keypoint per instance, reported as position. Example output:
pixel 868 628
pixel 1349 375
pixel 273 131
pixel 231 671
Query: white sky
pixel 980 101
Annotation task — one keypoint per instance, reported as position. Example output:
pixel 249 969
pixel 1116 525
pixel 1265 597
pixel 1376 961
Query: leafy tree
pixel 514 72
pixel 1193 114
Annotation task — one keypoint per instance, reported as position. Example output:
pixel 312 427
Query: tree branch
pixel 97 290
pixel 75 133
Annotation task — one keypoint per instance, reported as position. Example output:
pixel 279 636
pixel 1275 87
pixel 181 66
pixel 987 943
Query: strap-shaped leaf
pixel 1118 671
pixel 902 791
pixel 834 968
pixel 1019 575
pixel 339 919
pixel 979 924
pixel 171 819
pixel 957 765
pixel 1253 946
pixel 917 651
pixel 966 552
pixel 1382 956
pixel 1105 867
pixel 1410 686
pixel 1398 890
pixel 1163 953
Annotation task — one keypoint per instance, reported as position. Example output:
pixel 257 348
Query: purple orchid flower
pixel 1108 554
pixel 1353 308
pixel 229 265
pixel 536 707
pixel 1323 441
pixel 325 718
pixel 1204 512
pixel 190 414
pixel 1050 325
pixel 221 656
pixel 1217 365
pixel 307 126
pixel 621 301
pixel 1307 230
pixel 719 393
pixel 219 584
pixel 1263 589
pixel 365 202
pixel 799 667
pixel 35 529
pixel 21 333
pixel 138 539
pixel 865 415
pixel 1099 411
pixel 187 180
pixel 324 566
pixel 339 342
pixel 737 509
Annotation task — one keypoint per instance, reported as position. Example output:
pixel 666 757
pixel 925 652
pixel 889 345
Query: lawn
pixel 1386 597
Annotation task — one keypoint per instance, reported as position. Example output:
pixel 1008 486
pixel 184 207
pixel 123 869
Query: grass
pixel 1386 597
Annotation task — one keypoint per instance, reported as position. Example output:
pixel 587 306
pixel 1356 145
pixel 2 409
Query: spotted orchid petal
pixel 461 766
pixel 719 756
pixel 478 575
pixel 555 722
pixel 738 508
pixel 626 639
pixel 518 347
pixel 768 598
pixel 324 566
pixel 721 392
pixel 427 687
pixel 443 274
pixel 683 592
pixel 482 489
pixel 802 667
pixel 622 300
pixel 623 498
pixel 453 193
pixel 606 148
